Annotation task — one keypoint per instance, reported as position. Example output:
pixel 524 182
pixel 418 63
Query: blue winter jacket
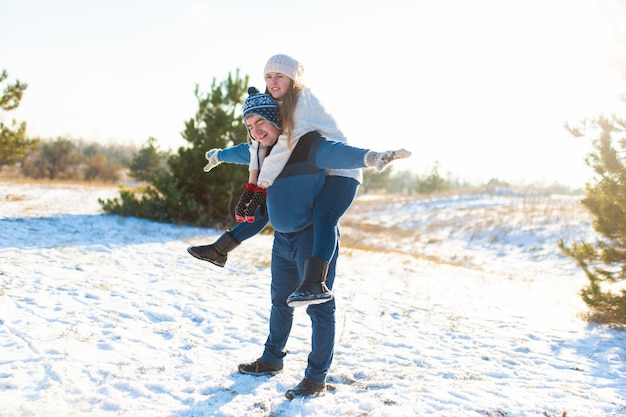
pixel 291 199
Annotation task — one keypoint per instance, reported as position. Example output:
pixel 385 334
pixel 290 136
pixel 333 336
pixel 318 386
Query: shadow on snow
pixel 89 230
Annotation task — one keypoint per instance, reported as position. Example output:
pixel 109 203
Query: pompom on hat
pixel 287 65
pixel 262 105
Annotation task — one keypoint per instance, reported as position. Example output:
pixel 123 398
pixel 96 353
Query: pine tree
pixel 148 161
pixel 14 146
pixel 184 193
pixel 604 261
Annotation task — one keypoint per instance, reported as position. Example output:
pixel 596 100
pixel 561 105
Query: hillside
pixel 455 305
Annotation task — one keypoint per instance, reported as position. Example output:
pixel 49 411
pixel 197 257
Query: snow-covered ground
pixel 450 306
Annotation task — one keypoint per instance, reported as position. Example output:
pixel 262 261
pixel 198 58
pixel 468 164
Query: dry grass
pixel 13 175
pixel 13 197
pixel 421 222
pixel 45 181
pixel 612 319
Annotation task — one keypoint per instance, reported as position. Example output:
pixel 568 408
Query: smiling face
pixel 261 130
pixel 278 84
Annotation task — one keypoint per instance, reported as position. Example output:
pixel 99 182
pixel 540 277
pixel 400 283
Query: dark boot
pixel 313 290
pixel 216 253
pixel 307 388
pixel 259 367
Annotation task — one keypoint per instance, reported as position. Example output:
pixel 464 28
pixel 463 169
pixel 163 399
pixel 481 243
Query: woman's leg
pixel 217 252
pixel 244 231
pixel 334 200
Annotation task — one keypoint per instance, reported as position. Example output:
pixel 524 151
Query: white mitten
pixel 380 160
pixel 214 161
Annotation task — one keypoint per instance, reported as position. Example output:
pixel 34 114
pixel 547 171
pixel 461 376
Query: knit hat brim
pixel 269 114
pixel 286 65
pixel 262 105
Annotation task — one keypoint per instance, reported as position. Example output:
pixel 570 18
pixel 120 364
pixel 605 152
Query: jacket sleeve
pixel 330 154
pixel 239 154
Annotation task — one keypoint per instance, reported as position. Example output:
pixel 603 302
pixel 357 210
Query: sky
pixel 469 310
pixel 481 88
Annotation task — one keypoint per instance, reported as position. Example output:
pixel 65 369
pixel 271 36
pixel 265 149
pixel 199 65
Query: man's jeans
pixel 288 255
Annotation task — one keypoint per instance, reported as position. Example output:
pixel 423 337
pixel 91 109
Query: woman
pixel 300 112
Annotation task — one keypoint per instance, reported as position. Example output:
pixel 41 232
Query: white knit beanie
pixel 287 65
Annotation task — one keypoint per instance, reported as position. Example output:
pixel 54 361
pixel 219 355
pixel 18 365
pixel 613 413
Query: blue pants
pixel 245 231
pixel 335 198
pixel 288 255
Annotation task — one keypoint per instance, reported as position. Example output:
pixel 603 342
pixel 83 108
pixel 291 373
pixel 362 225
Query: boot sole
pixel 267 373
pixel 195 255
pixel 301 302
pixel 293 394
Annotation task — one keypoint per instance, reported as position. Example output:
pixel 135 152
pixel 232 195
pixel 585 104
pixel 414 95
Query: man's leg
pixel 322 345
pixel 285 279
pixel 323 332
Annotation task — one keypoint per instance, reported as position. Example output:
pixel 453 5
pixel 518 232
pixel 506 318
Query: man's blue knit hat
pixel 263 105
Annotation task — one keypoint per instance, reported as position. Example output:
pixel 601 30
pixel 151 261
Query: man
pixel 290 202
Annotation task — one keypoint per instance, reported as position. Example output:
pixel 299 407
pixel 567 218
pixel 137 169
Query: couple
pixel 292 176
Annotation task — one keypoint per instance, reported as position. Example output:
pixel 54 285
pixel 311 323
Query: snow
pixel 459 305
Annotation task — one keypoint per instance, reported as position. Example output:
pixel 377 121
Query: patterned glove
pixel 258 200
pixel 380 160
pixel 244 200
pixel 214 161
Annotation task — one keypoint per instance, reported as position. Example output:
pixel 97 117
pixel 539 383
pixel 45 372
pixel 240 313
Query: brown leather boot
pixel 307 388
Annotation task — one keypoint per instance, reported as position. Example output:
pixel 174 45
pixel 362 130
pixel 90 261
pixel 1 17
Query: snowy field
pixel 453 306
